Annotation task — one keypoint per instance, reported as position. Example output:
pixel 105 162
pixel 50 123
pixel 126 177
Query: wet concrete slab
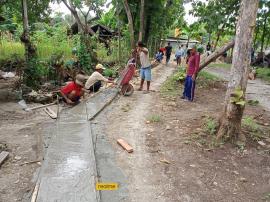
pixel 95 104
pixel 68 173
pixel 108 168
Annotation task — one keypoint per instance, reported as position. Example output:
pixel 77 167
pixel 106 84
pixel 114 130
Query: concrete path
pixel 68 173
pixel 256 89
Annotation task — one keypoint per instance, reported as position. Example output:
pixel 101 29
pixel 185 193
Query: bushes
pixel 263 73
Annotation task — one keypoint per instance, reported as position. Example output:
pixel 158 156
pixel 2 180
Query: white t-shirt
pixel 96 76
pixel 144 58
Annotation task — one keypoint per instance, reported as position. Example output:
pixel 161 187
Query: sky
pixel 62 8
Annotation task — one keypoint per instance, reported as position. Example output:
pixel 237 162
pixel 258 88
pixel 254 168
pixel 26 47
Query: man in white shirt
pixel 93 83
pixel 179 54
pixel 145 71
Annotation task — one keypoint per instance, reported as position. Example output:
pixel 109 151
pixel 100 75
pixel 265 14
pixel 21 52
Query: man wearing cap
pixel 192 70
pixel 93 83
pixel 72 92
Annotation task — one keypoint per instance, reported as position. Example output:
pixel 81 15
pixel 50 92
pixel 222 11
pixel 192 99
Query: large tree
pixel 130 23
pixel 230 122
pixel 142 21
pixel 77 6
pixel 219 17
pixel 152 20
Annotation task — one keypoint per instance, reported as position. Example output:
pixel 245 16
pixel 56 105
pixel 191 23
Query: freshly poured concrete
pixel 68 172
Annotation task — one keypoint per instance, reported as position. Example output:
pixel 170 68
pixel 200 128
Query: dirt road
pixel 166 166
pixel 256 89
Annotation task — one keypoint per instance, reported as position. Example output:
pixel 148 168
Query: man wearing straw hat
pixel 73 91
pixel 93 83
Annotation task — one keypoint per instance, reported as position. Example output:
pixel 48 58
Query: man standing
pixel 192 70
pixel 145 71
pixel 179 54
pixel 208 49
pixel 168 52
pixel 93 83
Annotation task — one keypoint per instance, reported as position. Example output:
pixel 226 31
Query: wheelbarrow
pixel 126 75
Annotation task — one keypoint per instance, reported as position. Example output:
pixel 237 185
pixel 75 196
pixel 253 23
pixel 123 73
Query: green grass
pixel 263 73
pixel 155 118
pixel 44 50
pixel 8 49
pixel 171 88
pixel 250 123
pixel 221 65
pixel 206 76
pixel 254 129
pixel 210 125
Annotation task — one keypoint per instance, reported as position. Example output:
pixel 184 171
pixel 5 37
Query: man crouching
pixel 73 91
pixel 93 83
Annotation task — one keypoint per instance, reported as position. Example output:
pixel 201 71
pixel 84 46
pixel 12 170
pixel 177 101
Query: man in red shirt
pixel 73 91
pixel 192 70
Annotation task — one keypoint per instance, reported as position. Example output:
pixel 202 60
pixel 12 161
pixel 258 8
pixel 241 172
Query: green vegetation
pixel 253 128
pixel 253 102
pixel 237 97
pixel 210 125
pixel 9 49
pixel 155 118
pixel 250 123
pixel 172 87
pixel 207 77
pixel 220 65
pixel 48 41
pixel 263 73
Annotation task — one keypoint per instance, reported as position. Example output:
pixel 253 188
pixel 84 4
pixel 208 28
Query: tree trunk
pixel 81 25
pixel 230 122
pixel 263 34
pixel 30 50
pixel 141 21
pixel 268 40
pixel 130 23
pixel 216 54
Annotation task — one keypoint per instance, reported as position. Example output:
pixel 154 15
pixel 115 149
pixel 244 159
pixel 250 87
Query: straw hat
pixel 80 79
pixel 100 66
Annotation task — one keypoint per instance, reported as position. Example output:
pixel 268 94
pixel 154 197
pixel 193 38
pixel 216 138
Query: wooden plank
pixel 51 113
pixel 3 156
pixel 35 193
pixel 125 145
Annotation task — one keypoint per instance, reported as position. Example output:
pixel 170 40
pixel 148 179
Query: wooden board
pixel 125 145
pixel 3 156
pixel 35 193
pixel 51 113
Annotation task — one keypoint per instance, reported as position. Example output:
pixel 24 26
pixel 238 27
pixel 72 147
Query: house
pixel 178 41
pixel 102 31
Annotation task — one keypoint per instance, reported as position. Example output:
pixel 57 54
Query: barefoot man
pixel 145 71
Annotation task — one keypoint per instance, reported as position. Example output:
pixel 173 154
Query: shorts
pixel 146 73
